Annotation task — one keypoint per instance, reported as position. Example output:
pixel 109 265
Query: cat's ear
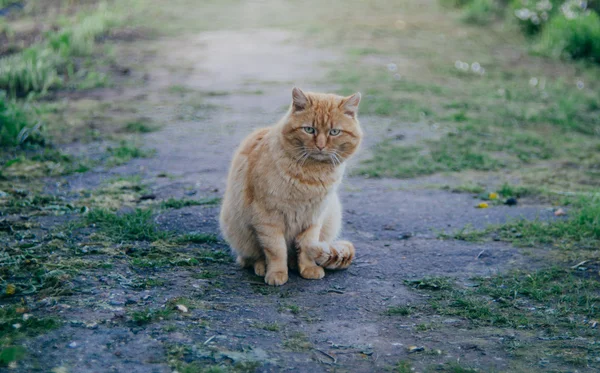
pixel 299 99
pixel 351 104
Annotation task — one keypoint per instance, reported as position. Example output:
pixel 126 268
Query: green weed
pixel 297 342
pixel 133 226
pixel 580 229
pixel 403 367
pixel 173 203
pixel 198 238
pixel 480 12
pixel 468 148
pixel 16 127
pixel 576 38
pixel 139 126
pixel 272 327
pixel 148 316
pixel 16 324
pixel 125 152
pixel 399 310
pixel 48 64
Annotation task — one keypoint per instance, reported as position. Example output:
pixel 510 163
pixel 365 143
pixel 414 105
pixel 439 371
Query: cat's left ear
pixel 299 99
pixel 351 104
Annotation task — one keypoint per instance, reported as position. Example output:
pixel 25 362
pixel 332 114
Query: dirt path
pixel 235 82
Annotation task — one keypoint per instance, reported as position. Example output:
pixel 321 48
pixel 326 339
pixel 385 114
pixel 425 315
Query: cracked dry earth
pixel 335 324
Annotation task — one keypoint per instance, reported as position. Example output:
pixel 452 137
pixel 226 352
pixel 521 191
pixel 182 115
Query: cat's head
pixel 322 127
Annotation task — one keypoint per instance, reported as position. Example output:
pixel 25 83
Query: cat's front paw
pixel 276 278
pixel 260 267
pixel 313 273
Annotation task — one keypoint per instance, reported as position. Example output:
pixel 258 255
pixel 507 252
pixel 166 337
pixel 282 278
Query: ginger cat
pixel 281 202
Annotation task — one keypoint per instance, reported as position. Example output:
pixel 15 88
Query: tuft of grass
pixel 431 283
pixel 480 12
pixel 148 316
pixel 468 148
pixel 14 326
pixel 403 367
pixel 197 238
pixel 173 203
pixel 297 342
pixel 134 226
pixel 466 233
pixel 517 191
pixel 51 63
pixel 580 229
pixel 16 127
pixel 139 126
pixel 399 311
pixel 576 38
pixel 125 152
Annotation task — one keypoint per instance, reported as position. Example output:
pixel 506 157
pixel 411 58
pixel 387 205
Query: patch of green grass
pixel 173 203
pixel 214 256
pixel 50 63
pixel 465 188
pixel 297 342
pixel 198 238
pixel 403 367
pixel 139 126
pixel 16 127
pixel 456 367
pixel 399 311
pixel 467 233
pixel 581 228
pixel 206 274
pixel 468 148
pixel 480 12
pixel 555 301
pixel 431 283
pixel 179 89
pixel 148 316
pixel 16 324
pixel 577 38
pixel 133 226
pixel 148 283
pixel 517 191
pixel 125 152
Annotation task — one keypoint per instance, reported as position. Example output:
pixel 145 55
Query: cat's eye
pixel 309 130
pixel 334 132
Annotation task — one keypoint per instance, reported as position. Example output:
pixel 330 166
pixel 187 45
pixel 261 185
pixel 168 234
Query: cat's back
pixel 248 151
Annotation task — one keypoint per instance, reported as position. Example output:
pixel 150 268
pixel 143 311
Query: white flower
pixel 457 64
pixel 523 14
pixel 580 85
pixel 392 67
pixel 475 67
pixel 533 81
pixel 544 5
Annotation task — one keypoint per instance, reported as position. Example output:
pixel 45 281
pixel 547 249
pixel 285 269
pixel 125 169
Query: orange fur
pixel 281 195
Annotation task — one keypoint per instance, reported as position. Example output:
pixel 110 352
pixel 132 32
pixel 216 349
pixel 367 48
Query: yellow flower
pixel 493 195
pixel 482 205
pixel 10 289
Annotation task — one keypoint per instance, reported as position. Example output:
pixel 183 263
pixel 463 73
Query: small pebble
pixel 511 201
pixel 72 344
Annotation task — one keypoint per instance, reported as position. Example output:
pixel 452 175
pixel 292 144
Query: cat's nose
pixel 320 148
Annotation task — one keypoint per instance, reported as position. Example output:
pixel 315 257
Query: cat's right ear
pixel 299 99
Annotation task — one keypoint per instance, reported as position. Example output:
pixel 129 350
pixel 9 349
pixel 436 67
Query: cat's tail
pixel 338 255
